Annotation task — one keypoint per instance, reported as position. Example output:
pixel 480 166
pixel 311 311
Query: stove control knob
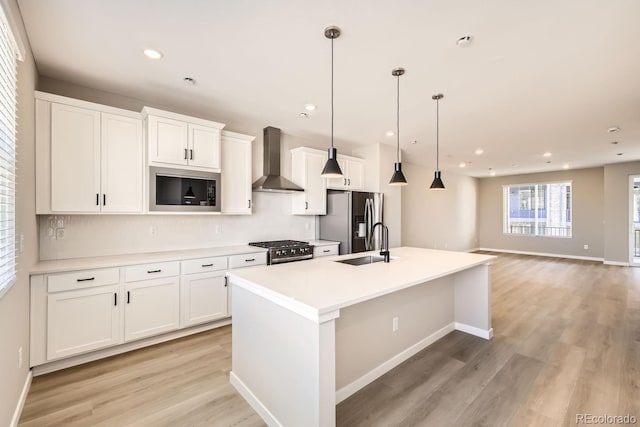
pixel 278 253
pixel 293 251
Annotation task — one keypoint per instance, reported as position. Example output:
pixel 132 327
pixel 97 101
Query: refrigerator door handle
pixel 367 224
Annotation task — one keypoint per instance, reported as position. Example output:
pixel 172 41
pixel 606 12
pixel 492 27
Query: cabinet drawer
pixel 247 260
pixel 319 251
pixel 202 265
pixel 151 271
pixel 82 279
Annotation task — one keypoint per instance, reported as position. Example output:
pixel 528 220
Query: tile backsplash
pixel 75 236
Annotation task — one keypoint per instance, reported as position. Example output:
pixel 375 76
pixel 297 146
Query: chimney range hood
pixel 271 179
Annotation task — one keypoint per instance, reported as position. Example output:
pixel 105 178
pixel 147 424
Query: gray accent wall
pixel 588 214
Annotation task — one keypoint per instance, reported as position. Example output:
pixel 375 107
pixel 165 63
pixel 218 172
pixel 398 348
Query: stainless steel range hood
pixel 271 179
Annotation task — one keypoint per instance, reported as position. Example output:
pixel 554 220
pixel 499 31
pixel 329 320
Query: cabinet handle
pixel 249 206
pixel 97 199
pixel 249 260
pixel 345 181
pixel 326 250
pixel 185 154
pixel 226 281
pixel 115 298
pixel 207 265
pixel 128 297
pixel 190 154
pixel 104 200
pixel 306 205
pixel 348 181
pixel 153 271
pixel 86 280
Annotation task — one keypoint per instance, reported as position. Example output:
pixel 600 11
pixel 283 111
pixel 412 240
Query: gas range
pixel 285 250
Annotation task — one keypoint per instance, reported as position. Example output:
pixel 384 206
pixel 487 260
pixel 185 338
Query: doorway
pixel 634 216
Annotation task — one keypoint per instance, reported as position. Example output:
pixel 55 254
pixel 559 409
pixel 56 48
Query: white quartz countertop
pixel 61 265
pixel 322 242
pixel 320 286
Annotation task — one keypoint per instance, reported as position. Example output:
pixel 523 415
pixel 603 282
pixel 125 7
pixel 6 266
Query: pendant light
pixel 189 194
pixel 437 183
pixel 398 178
pixel 332 168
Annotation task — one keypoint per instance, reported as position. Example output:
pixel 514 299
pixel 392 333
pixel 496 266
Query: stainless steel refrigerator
pixel 350 218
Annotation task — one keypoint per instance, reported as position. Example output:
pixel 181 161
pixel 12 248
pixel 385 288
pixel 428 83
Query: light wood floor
pixel 567 341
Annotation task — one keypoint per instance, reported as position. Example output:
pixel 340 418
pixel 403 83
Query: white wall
pixel 439 219
pixel 14 305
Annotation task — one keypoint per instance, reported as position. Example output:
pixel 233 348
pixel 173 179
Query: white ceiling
pixel 548 75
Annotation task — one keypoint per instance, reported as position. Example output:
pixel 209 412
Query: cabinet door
pixel 338 183
pixel 236 176
pixel 167 141
pixel 315 189
pixel 203 298
pixel 355 175
pixel 75 159
pixel 151 307
pixel 121 164
pixel 204 147
pixel 81 321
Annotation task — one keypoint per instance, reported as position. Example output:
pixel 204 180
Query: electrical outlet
pixel 394 324
pixel 153 230
pixel 20 358
pixel 586 247
pixel 218 228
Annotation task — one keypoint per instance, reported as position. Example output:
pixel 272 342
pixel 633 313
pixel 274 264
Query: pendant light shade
pixel 189 194
pixel 437 183
pixel 398 178
pixel 332 168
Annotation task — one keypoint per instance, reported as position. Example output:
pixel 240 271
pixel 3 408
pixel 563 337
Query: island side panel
pixel 473 301
pixel 283 364
pixel 367 346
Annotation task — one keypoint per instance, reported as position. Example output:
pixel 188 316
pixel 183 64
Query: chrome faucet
pixel 384 252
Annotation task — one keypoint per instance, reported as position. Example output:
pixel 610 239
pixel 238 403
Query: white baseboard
pixel 56 365
pixel 253 401
pixel 620 264
pixel 508 251
pixel 385 367
pixel 22 400
pixel 482 333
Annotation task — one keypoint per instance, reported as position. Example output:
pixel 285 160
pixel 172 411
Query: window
pixel 538 209
pixel 8 83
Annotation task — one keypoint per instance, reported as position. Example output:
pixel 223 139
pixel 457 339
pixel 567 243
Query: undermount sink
pixel 369 259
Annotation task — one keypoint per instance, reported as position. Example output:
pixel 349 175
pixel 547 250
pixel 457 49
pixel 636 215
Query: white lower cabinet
pixel 82 320
pixel 151 307
pixel 203 298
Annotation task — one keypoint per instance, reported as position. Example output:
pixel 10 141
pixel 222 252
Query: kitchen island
pixel 306 335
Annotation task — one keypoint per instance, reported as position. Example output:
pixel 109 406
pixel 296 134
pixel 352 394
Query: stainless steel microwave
pixel 174 190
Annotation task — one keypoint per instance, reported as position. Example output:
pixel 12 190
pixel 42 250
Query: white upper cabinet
pixel 75 159
pixel 306 167
pixel 121 167
pixel 352 174
pixel 236 173
pixel 89 158
pixel 178 140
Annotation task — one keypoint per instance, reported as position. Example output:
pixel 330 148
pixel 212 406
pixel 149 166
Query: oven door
pixel 173 190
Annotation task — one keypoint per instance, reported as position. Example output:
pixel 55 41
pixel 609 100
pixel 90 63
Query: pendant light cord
pixel 437 134
pixel 331 93
pixel 398 122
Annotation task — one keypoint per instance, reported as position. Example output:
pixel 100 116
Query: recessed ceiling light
pixel 152 54
pixel 390 133
pixel 189 80
pixel 479 152
pixel 309 107
pixel 464 41
pixel 565 166
pixel 414 141
pixel 462 165
pixel 613 129
pixel 547 154
pixel 303 115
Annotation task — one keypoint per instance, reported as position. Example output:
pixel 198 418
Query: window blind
pixel 8 95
